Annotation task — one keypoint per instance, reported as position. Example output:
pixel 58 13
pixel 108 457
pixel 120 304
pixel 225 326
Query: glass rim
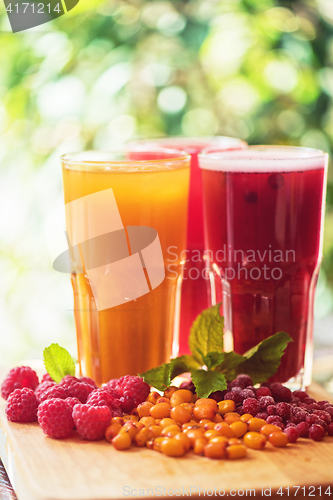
pixel 116 159
pixel 263 158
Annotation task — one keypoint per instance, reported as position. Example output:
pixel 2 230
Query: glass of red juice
pixel 263 218
pixel 193 289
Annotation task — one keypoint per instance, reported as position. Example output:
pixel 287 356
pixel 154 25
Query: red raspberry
pixel 323 415
pixel 68 380
pixel 55 418
pixel 280 392
pixel 316 432
pixel 22 406
pixel 91 421
pixel 273 419
pixel 132 390
pixel 17 378
pixel 263 415
pixel 79 390
pixel 72 402
pixel 217 395
pixel 234 396
pixel 301 395
pixel 54 392
pixel 189 386
pixel 42 387
pixel 247 393
pixel 330 429
pixel 101 397
pixel 47 378
pixel 292 433
pixel 89 381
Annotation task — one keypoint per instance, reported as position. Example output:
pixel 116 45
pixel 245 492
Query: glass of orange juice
pixel 123 211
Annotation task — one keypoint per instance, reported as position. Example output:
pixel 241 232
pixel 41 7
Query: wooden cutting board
pixel 41 468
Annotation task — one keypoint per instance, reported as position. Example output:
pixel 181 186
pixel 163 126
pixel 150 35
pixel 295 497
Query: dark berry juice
pixel 263 214
pixel 194 289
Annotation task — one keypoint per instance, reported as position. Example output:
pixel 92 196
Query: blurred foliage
pixel 111 71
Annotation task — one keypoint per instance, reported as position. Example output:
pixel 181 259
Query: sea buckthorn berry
pixel 218 418
pixel 207 402
pixel 117 420
pixel 129 428
pixel 194 434
pixel 246 417
pixel 165 422
pixel 208 426
pixel 162 399
pixel 153 397
pixel 232 441
pixel 176 399
pixel 239 428
pixel 185 394
pixel 156 430
pixel 224 429
pixel 211 433
pixel 187 406
pixel 180 414
pixel 184 439
pixel 255 424
pixel 112 431
pixel 269 428
pixel 236 451
pixel 122 441
pixel 150 444
pixel 169 391
pixel 130 418
pixel 204 411
pixel 188 424
pixel 157 443
pixel 161 410
pixel 172 447
pixel 215 450
pixel 199 445
pixel 171 430
pixel 143 436
pixel 219 439
pixel 255 440
pixel 143 409
pixel 278 439
pixel 147 421
pixel 231 417
pixel 226 406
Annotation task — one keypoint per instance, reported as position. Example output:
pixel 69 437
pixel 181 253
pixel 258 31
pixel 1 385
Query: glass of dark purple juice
pixel 263 218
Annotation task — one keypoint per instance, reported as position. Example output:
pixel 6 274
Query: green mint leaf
pixel 158 377
pixel 58 362
pixel 263 360
pixel 183 364
pixel 230 361
pixel 213 359
pixel 207 333
pixel 207 382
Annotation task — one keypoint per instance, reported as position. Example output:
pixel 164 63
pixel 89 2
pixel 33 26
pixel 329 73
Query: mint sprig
pixel 210 367
pixel 58 362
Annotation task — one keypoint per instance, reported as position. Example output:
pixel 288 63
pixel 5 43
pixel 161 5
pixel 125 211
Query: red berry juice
pixel 194 290
pixel 263 214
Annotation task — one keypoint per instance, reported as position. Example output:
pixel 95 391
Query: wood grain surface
pixel 41 468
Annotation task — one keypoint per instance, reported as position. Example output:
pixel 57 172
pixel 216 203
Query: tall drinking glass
pixel 123 212
pixel 263 215
pixel 194 292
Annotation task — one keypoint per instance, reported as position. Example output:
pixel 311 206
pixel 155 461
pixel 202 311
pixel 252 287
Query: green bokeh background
pixel 111 71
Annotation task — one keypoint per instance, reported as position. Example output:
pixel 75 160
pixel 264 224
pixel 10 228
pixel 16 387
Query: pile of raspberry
pixel 74 403
pixel 296 413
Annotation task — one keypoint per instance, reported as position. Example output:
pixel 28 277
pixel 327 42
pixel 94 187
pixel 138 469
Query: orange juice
pixel 137 335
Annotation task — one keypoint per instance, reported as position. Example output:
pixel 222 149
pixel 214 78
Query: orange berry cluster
pixel 179 421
